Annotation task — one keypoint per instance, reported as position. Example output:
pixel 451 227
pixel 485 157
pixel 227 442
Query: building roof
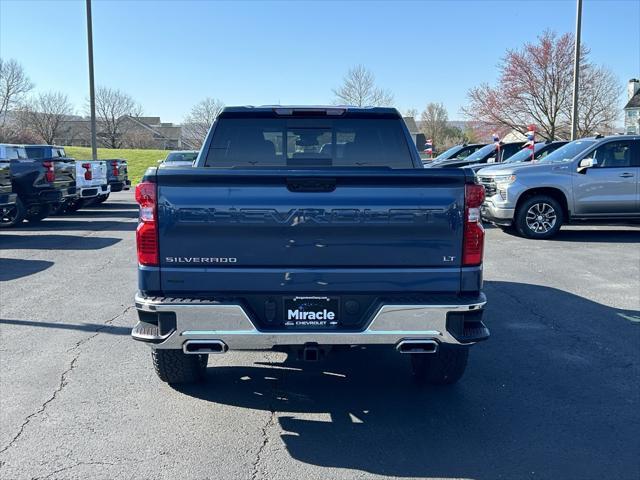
pixel 411 124
pixel 634 102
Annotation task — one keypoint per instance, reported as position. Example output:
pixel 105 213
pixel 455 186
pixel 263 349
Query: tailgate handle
pixel 311 184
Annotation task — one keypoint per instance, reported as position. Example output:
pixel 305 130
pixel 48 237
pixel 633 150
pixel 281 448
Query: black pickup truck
pixel 40 184
pixel 117 175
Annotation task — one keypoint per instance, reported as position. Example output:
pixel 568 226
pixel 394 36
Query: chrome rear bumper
pixel 230 324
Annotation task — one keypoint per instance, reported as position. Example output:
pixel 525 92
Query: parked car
pixel 309 249
pixel 91 176
pixel 182 157
pixel 589 179
pixel 457 151
pixel 523 155
pixel 487 154
pixel 8 205
pixel 41 184
pixel 540 150
pixel 117 175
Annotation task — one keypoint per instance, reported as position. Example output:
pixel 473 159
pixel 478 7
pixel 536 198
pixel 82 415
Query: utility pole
pixel 576 71
pixel 92 93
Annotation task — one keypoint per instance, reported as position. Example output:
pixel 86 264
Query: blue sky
pixel 170 54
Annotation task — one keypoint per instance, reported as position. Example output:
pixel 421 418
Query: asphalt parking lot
pixel 554 394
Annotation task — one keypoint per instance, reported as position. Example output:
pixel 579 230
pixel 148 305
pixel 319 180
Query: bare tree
pixel 598 106
pixel 43 115
pixel 433 123
pixel 358 88
pixel 411 112
pixel 197 123
pixel 535 86
pixel 14 85
pixel 113 109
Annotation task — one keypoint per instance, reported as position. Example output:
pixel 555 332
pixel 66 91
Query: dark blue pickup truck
pixel 308 229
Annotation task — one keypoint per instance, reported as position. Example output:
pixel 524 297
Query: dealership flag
pixel 531 137
pixel 496 141
pixel 531 141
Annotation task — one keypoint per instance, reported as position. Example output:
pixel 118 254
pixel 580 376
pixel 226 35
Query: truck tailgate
pixel 65 173
pixel 317 230
pixel 5 177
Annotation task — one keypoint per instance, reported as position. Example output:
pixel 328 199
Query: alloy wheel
pixel 541 217
pixel 8 215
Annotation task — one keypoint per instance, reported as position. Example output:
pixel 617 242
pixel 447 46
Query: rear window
pixel 181 157
pixel 16 153
pixel 34 152
pixel 45 152
pixel 308 142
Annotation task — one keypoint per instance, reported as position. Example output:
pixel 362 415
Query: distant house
pixel 413 129
pixel 632 108
pixel 137 132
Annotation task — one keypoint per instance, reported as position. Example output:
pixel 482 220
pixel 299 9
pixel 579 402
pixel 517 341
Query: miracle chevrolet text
pixel 308 229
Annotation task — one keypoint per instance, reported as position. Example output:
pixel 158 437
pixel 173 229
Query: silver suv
pixel 589 179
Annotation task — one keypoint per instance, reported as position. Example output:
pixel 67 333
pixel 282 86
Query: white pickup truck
pixel 91 182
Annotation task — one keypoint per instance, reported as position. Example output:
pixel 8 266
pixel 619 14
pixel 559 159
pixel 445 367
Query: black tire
pixel 36 213
pixel 508 229
pixel 57 209
pixel 101 198
pixel 176 367
pixel 442 368
pixel 546 208
pixel 75 205
pixel 12 215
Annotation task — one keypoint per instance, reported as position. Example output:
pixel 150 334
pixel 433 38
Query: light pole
pixel 576 71
pixel 92 93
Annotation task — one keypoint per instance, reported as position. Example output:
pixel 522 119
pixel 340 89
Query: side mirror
pixel 586 163
pixel 160 161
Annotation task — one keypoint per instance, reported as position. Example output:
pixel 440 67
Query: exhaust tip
pixel 200 347
pixel 417 346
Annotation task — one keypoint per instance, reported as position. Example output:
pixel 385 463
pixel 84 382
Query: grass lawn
pixel 137 160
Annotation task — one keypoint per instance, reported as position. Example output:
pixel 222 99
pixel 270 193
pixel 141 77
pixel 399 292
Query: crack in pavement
pixel 106 324
pixel 265 440
pixel 63 379
pixel 265 436
pixel 75 465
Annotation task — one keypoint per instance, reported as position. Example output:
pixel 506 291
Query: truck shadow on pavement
pixel 60 224
pixel 599 236
pixel 553 394
pixel 632 235
pixel 55 242
pixel 12 268
pixel 100 214
pixel 83 327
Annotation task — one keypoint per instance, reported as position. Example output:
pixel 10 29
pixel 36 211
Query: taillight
pixel 147 231
pixel 50 174
pixel 114 168
pixel 87 174
pixel 473 241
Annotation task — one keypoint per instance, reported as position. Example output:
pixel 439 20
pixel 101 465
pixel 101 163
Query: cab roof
pixel 309 110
